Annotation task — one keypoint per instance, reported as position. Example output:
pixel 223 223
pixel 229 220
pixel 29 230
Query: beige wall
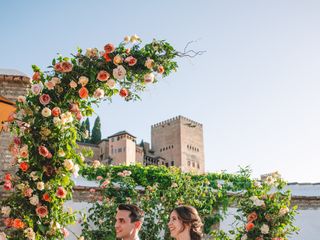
pixel 122 149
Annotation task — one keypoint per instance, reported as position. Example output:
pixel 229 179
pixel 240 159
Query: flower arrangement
pixel 46 123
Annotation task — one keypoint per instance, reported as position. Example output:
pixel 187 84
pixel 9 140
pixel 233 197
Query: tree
pixel 96 131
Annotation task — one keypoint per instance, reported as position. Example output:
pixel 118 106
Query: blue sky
pixel 256 90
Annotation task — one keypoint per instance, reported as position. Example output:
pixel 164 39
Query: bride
pixel 185 224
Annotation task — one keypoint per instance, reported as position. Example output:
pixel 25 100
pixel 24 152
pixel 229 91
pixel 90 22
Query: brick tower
pixel 179 141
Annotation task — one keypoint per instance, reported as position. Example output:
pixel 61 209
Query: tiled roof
pixel 121 133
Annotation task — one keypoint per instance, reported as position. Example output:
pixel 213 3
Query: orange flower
pixel 36 76
pixel 46 197
pixel 24 166
pixel 83 92
pixel 249 226
pixel 56 111
pixel 252 217
pixel 160 69
pixel 109 48
pixel 107 57
pixel 17 223
pixel 123 92
pixel 7 177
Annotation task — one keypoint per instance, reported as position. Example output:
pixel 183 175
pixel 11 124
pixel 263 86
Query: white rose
pixel 61 153
pixel 6 211
pixel 111 83
pixel 46 112
pixel 34 200
pixel 83 80
pixel 34 176
pixel 40 186
pixel 68 164
pixel 96 164
pixel 30 234
pixel 270 180
pixel 56 121
pixel 119 72
pixel 3 236
pixel 134 38
pixel 264 229
pixel 256 201
pixel 149 78
pixel 126 39
pixel 283 211
pixel 244 237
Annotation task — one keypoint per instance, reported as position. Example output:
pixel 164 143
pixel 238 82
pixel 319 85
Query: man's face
pixel 125 229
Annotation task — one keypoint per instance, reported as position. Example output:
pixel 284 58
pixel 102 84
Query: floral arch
pixel 46 125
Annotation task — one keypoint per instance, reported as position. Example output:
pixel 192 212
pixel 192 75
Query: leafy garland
pixel 263 206
pixel 46 122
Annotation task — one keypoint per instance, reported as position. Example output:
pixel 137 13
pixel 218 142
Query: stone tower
pixel 122 148
pixel 12 84
pixel 180 141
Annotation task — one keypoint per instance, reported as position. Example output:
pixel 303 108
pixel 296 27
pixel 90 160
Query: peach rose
pixel 83 80
pixel 66 67
pixel 56 111
pixel 98 93
pixel 42 211
pixel 61 192
pixel 109 48
pixel 149 78
pixel 103 76
pixel 24 153
pixel 21 99
pixel 50 85
pixel 160 69
pixel 58 67
pixel 117 60
pixel 74 107
pixel 73 84
pixel 56 80
pixel 83 93
pixel 149 63
pixel 111 83
pixel 45 99
pixel 252 217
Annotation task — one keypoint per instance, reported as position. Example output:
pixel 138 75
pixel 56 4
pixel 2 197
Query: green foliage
pixel 157 190
pixel 96 131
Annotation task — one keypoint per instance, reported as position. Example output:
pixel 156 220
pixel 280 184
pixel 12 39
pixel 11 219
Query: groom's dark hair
pixel 136 214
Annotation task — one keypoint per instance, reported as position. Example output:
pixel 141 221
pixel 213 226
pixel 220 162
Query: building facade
pixel 175 142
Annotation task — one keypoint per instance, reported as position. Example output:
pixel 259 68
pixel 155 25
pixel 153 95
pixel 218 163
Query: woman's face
pixel 175 225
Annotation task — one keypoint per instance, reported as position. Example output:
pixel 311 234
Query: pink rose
pixel 131 61
pixel 66 67
pixel 45 99
pixel 98 93
pixel 56 111
pixel 17 140
pixel 61 192
pixel 103 76
pixel 36 89
pixel 43 151
pixel 42 211
pixel 7 185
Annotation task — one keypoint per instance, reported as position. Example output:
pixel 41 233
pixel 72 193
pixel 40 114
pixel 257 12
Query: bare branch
pixel 189 53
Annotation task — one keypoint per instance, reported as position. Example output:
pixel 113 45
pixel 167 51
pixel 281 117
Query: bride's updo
pixel 189 216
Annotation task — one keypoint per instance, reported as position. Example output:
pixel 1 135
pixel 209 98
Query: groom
pixel 129 219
